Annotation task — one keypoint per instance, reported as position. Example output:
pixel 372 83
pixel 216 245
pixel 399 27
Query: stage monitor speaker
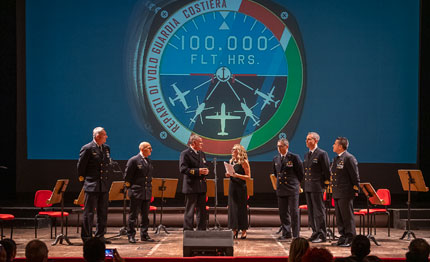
pixel 208 243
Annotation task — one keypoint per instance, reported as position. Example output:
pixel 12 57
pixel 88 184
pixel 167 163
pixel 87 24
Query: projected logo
pixel 229 71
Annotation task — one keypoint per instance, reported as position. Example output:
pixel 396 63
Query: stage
pixel 261 242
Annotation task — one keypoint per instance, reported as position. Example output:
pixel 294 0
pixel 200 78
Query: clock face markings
pixel 207 63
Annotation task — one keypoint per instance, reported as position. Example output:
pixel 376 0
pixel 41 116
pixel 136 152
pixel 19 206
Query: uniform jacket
pixel 189 164
pixel 317 170
pixel 345 176
pixel 138 173
pixel 94 166
pixel 289 174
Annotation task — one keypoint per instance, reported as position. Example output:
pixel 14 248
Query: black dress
pixel 237 195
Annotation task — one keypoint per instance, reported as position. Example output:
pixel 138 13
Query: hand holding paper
pixel 229 169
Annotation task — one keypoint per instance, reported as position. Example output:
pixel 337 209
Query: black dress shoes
pixel 347 243
pixel 284 238
pixel 146 238
pixel 106 241
pixel 319 240
pixel 131 239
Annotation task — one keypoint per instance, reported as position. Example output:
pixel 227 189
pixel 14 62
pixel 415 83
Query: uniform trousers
pixel 344 211
pixel 195 202
pixel 93 201
pixel 138 206
pixel 316 214
pixel 289 215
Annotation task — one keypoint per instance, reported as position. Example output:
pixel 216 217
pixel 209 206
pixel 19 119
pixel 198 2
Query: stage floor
pixel 261 241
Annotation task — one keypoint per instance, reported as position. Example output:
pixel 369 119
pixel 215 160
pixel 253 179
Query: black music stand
pixel 211 192
pixel 118 191
pixel 79 202
pixel 412 180
pixel 371 198
pixel 163 188
pixel 331 236
pixel 57 197
pixel 273 179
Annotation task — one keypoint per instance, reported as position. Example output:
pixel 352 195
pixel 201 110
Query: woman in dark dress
pixel 237 194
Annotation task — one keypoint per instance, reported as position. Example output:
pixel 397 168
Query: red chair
pixel 6 217
pixel 383 194
pixel 40 200
pixel 153 209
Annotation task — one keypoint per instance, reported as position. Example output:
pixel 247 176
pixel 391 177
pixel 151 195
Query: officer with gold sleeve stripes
pixel 193 167
pixel 138 178
pixel 94 170
pixel 288 169
pixel 345 181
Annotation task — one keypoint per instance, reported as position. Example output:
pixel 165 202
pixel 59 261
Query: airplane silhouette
pixel 248 113
pixel 179 96
pixel 222 117
pixel 268 98
pixel 198 112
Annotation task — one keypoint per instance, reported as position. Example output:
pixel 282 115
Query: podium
pixel 412 180
pixel 163 188
pixel 57 197
pixel 372 198
pixel 118 191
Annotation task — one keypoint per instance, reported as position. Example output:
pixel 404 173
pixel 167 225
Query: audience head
pixel 36 251
pixel 372 259
pixel 2 254
pixel 298 248
pixel 317 255
pixel 10 247
pixel 360 247
pixel 94 250
pixel 419 250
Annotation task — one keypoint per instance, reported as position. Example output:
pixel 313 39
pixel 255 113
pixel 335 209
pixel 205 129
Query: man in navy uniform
pixel 317 176
pixel 93 170
pixel 138 178
pixel 193 167
pixel 345 180
pixel 288 169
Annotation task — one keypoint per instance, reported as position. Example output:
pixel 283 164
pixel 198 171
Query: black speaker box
pixel 208 243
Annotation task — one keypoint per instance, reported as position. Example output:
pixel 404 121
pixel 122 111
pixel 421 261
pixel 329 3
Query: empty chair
pixel 41 200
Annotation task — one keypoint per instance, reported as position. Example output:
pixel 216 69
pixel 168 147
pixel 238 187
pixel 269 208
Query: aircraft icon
pixel 198 112
pixel 248 113
pixel 179 96
pixel 223 117
pixel 268 98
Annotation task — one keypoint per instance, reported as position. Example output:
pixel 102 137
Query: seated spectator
pixel 317 255
pixel 36 251
pixel 419 250
pixel 298 248
pixel 360 248
pixel 10 247
pixel 94 251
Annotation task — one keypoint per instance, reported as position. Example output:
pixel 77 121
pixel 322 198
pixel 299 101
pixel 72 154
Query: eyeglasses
pixel 148 148
pixel 281 145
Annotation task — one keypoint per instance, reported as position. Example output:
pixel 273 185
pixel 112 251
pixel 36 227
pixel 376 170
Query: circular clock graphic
pixel 230 71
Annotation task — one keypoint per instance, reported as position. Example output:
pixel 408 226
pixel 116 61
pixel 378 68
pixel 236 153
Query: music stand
pixel 211 192
pixel 328 200
pixel 79 202
pixel 118 191
pixel 372 198
pixel 57 197
pixel 412 180
pixel 274 181
pixel 163 188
